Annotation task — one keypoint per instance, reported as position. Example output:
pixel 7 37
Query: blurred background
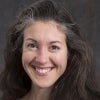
pixel 86 13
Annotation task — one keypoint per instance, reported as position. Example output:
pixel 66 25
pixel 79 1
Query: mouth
pixel 43 70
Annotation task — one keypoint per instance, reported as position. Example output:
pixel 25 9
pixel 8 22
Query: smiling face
pixel 44 53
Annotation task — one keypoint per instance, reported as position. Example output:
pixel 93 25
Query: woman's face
pixel 44 54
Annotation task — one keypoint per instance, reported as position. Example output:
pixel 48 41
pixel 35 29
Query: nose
pixel 42 56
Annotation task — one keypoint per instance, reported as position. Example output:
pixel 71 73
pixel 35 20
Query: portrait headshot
pixel 47 56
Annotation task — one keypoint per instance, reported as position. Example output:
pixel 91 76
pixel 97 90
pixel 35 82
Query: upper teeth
pixel 43 71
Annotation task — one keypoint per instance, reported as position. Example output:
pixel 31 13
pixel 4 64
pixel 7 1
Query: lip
pixel 42 71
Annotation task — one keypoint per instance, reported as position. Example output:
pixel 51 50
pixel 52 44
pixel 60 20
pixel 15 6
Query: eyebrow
pixel 52 42
pixel 30 39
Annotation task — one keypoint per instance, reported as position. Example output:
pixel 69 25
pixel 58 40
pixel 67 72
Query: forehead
pixel 44 32
pixel 44 29
pixel 59 26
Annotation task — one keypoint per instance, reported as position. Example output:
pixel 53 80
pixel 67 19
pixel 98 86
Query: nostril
pixel 41 58
pixel 42 55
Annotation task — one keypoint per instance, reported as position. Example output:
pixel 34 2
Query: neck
pixel 37 93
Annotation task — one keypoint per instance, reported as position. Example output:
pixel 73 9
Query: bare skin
pixel 37 94
pixel 44 57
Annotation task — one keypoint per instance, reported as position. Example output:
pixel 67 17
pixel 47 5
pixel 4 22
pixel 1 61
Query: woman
pixel 46 57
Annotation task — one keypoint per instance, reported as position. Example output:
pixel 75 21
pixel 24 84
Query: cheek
pixel 26 58
pixel 61 60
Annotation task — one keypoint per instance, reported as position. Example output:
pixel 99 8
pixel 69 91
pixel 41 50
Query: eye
pixel 32 45
pixel 54 48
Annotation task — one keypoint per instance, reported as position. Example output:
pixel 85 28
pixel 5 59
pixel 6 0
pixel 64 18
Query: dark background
pixel 85 12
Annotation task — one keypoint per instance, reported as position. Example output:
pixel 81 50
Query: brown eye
pixel 54 48
pixel 32 46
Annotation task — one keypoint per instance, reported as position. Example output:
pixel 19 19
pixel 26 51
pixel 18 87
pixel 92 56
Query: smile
pixel 43 71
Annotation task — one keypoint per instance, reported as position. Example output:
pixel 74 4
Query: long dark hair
pixel 74 84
